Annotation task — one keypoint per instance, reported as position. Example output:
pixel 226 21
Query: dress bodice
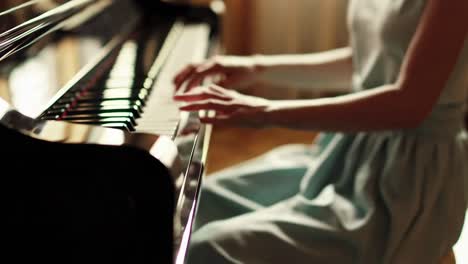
pixel 381 32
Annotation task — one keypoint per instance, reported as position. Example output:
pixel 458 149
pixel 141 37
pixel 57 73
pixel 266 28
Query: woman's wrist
pixel 274 114
pixel 289 113
pixel 259 63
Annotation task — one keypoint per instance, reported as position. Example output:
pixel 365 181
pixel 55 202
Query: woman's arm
pixel 429 62
pixel 328 71
pixel 430 59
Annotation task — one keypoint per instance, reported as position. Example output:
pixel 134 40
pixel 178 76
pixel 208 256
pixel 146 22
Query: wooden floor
pixel 229 146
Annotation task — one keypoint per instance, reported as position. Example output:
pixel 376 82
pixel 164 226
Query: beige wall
pixel 284 26
pixel 299 25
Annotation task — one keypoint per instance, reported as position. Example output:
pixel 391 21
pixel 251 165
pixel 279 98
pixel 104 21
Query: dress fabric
pixel 363 198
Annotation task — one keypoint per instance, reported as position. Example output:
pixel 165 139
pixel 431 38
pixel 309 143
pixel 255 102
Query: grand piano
pixel 99 165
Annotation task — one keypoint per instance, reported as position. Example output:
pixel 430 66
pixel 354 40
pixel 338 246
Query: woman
pixel 387 187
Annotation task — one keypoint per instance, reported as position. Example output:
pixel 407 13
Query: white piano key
pixel 161 110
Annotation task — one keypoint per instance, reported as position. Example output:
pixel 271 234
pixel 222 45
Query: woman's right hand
pixel 232 72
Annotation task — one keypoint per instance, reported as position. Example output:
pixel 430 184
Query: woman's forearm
pixel 384 108
pixel 329 70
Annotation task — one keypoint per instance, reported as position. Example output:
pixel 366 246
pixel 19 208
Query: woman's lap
pixel 273 234
pixel 255 184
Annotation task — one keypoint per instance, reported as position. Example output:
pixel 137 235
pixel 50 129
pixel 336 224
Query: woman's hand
pixel 228 71
pixel 231 107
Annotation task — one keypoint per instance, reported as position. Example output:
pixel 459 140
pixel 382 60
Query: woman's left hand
pixel 231 107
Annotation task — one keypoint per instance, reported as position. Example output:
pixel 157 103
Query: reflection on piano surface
pixel 105 167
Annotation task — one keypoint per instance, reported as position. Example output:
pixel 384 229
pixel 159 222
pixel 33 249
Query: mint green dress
pixel 364 198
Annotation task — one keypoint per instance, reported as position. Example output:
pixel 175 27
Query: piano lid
pixel 43 45
pixel 26 24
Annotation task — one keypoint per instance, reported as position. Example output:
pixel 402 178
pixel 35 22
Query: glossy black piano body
pixel 96 177
pixel 83 203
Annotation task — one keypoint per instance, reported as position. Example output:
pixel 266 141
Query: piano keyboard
pixel 131 92
pixel 162 115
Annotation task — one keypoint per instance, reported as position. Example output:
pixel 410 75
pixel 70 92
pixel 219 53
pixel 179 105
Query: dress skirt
pixel 383 197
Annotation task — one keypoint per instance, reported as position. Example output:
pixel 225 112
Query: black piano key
pixel 50 117
pixel 117 92
pixel 120 103
pixel 101 116
pixel 110 81
pixel 134 109
pixel 93 110
pixel 122 123
pixel 112 84
pixel 87 85
pixel 116 120
pixel 97 101
pixel 106 88
pixel 72 94
pixel 112 93
pixel 115 79
pixel 116 83
pixel 117 96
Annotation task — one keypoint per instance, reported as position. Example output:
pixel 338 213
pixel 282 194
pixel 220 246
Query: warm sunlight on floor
pixel 229 146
